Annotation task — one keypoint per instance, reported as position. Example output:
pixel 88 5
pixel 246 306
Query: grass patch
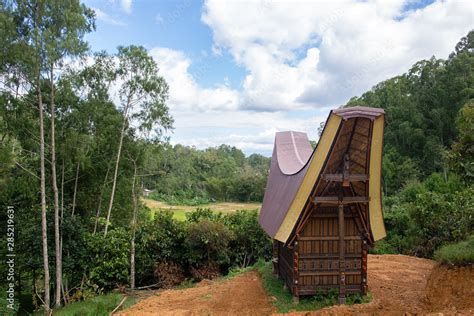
pixel 233 272
pixel 177 200
pixel 283 299
pixel 179 211
pixel 382 247
pixel 99 305
pixel 461 253
pixel 186 284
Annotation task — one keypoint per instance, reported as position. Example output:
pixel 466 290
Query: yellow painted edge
pixel 375 204
pixel 316 164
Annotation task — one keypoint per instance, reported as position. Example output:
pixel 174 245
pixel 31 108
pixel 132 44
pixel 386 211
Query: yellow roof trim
pixel 375 204
pixel 314 169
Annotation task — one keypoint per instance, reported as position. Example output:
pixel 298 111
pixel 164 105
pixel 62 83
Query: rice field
pixel 179 211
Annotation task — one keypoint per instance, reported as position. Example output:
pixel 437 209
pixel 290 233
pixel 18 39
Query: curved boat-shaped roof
pixel 295 169
pixel 288 167
pixel 293 150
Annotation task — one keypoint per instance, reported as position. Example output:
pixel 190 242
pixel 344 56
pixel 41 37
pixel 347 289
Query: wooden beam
pixel 330 238
pixel 330 256
pixel 340 200
pixel 342 250
pixel 339 177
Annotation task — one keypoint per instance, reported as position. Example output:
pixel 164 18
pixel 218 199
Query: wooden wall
pixel 317 254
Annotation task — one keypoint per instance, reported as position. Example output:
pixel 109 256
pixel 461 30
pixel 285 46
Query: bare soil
pixel 399 285
pixel 451 289
pixel 241 295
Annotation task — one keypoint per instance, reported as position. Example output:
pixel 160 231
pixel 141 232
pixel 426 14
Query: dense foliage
pixel 195 177
pixel 205 243
pixel 428 152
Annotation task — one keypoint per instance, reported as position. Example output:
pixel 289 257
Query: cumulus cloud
pixel 314 53
pixel 248 130
pixel 105 17
pixel 126 5
pixel 301 59
pixel 207 117
pixel 185 93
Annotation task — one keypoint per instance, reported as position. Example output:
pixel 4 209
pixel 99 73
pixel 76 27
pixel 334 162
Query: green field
pixel 179 211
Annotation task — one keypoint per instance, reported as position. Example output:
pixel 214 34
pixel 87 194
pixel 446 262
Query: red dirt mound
pixel 451 289
pixel 242 295
pixel 399 285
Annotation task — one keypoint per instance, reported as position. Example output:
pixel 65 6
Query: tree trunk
pixel 134 225
pixel 117 161
pixel 56 195
pixel 61 224
pixel 62 193
pixel 100 201
pixel 44 224
pixel 75 190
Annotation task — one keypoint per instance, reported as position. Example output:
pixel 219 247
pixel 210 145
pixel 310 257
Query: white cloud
pixel 301 58
pixel 102 16
pixel 248 130
pixel 126 5
pixel 212 116
pixel 323 52
pixel 185 93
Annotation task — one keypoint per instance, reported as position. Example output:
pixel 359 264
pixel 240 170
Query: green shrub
pixel 439 219
pixel 109 258
pixel 461 253
pixel 425 216
pixel 249 242
pixel 177 199
pixel 208 241
pixel 383 247
pixel 4 309
pixel 202 213
pixel 157 241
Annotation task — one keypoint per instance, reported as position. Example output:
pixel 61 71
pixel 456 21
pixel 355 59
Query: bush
pixel 109 263
pixel 461 253
pixel 425 216
pixel 208 241
pixel 441 218
pixel 179 199
pixel 201 214
pixel 157 241
pixel 250 242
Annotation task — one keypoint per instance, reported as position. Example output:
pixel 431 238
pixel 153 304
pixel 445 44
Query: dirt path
pixel 397 284
pixel 242 295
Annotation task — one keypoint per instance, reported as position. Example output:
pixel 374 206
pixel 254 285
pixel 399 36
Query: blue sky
pixel 239 71
pixel 173 24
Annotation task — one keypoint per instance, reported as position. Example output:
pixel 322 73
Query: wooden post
pixel 342 263
pixel 296 296
pixel 364 268
pixel 276 258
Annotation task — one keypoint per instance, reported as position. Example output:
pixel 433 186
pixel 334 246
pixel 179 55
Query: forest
pixel 83 134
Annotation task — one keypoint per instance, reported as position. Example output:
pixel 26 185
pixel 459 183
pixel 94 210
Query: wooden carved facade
pixel 324 244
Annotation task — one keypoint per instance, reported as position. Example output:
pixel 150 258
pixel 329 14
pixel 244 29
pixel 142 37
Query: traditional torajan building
pixel 323 207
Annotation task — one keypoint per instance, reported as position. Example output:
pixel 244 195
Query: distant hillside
pixel 421 110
